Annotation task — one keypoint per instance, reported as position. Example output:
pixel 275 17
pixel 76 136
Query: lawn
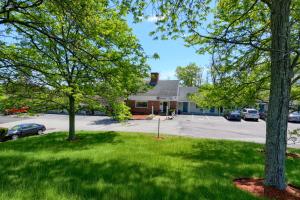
pixel 114 165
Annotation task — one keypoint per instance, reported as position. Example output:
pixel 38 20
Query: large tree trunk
pixel 281 74
pixel 71 118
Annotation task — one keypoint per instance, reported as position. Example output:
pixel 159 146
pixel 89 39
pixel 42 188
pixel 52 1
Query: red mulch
pixel 257 188
pixel 139 117
pixel 159 138
pixel 293 155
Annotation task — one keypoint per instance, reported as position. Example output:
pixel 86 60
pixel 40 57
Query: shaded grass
pixel 114 165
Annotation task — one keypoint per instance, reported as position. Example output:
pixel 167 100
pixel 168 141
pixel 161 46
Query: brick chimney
pixel 154 78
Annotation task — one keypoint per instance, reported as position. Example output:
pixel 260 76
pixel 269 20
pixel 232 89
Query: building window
pixel 141 104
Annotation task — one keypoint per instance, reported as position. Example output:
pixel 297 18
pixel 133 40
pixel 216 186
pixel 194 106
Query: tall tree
pixel 281 76
pixel 240 26
pixel 80 49
pixel 10 9
pixel 190 75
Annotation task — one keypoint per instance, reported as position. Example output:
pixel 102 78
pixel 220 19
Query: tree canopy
pixel 190 75
pixel 244 34
pixel 253 42
pixel 82 53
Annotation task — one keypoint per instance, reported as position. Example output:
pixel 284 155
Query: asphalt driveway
pixel 183 125
pixel 10 118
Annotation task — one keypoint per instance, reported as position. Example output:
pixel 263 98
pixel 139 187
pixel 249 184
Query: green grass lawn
pixel 113 165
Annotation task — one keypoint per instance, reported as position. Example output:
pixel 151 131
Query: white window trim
pixel 139 106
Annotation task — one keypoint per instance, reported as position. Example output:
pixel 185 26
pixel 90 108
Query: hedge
pixel 3 132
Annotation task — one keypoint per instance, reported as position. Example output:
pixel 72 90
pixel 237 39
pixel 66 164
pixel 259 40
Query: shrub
pixel 3 132
pixel 293 135
pixel 120 112
pixel 171 111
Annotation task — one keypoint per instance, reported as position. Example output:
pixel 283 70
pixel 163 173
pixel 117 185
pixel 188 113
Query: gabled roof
pixel 163 88
pixel 185 91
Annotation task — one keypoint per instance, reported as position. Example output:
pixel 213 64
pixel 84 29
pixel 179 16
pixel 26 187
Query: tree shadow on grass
pixel 110 179
pixel 224 159
pixel 293 173
pixel 204 171
pixel 56 142
pixel 229 160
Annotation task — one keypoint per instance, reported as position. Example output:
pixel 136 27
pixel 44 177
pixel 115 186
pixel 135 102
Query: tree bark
pixel 71 118
pixel 281 75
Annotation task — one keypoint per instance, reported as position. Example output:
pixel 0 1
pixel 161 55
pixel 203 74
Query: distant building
pixel 165 95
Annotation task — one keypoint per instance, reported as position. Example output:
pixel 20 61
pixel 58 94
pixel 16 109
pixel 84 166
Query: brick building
pixel 164 95
pixel 159 99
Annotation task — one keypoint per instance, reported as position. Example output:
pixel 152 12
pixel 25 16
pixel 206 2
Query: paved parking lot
pixel 11 118
pixel 184 125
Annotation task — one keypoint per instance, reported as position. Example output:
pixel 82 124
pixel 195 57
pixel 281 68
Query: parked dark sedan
pixel 23 130
pixel 263 115
pixel 233 115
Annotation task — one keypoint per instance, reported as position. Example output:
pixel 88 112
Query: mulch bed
pixel 159 138
pixel 293 155
pixel 257 188
pixel 140 117
pixel 288 154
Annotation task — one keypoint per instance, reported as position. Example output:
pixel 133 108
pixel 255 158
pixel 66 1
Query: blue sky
pixel 172 53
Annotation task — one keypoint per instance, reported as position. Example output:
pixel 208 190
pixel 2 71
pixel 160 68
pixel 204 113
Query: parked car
pixel 250 113
pixel 12 111
pixel 233 115
pixel 23 130
pixel 263 115
pixel 294 117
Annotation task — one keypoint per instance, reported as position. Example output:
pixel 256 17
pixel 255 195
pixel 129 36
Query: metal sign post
pixel 158 128
pixel 167 112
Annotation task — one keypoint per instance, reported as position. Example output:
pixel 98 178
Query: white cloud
pixel 154 18
pixel 167 75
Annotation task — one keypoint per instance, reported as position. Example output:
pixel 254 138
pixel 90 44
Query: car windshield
pixel 15 128
pixel 252 111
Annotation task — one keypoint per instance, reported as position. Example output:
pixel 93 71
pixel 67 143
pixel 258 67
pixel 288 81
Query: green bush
pixel 120 112
pixel 3 132
pixel 172 111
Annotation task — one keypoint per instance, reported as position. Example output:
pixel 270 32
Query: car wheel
pixel 14 137
pixel 40 132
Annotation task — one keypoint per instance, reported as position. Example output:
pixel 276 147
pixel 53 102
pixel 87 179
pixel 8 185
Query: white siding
pixel 193 108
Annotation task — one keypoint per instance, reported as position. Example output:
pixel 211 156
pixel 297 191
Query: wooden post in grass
pixel 158 128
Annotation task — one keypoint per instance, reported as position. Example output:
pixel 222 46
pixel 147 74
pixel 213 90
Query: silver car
pixel 250 113
pixel 294 117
